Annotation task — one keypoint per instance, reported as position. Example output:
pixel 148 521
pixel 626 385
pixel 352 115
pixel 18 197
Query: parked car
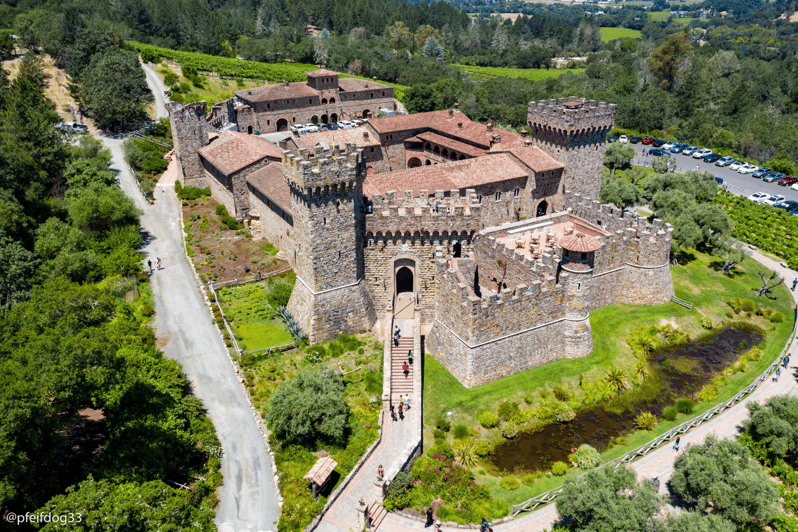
pixel 788 180
pixel 657 152
pixel 747 168
pixel 787 205
pixel 794 186
pixel 667 146
pixel 648 140
pixel 772 200
pixel 736 165
pixel 611 138
pixel 724 161
pixel 700 154
pixel 677 148
pixel 623 139
pixel 762 171
pixel 758 197
pixel 689 150
pixel 772 176
pixel 71 126
pixel 658 143
pixel 712 158
pixel 635 139
pixel 718 180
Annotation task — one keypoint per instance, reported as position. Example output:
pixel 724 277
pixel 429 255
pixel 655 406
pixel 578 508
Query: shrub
pixel 621 440
pixel 509 430
pixel 510 483
pixel 483 448
pixel 748 305
pixel 279 295
pixel 443 424
pixel 488 419
pixel 460 431
pixel 439 435
pixel 508 409
pixel 561 393
pixel 685 405
pixel 398 495
pixel 706 322
pixel 528 480
pixel 646 421
pixel 558 469
pixel 442 449
pixel 587 457
pixel 670 413
pixel 147 310
pixel 776 317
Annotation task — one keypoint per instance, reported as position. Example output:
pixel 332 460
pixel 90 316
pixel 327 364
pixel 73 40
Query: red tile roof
pixel 321 470
pixel 580 242
pixel 451 143
pixel 460 175
pixel 390 124
pixel 269 181
pixel 536 159
pixel 282 91
pixel 233 151
pixel 356 85
pixel 322 72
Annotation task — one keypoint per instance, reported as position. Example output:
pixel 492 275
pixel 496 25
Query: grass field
pixel 532 74
pixel 610 34
pixel 697 279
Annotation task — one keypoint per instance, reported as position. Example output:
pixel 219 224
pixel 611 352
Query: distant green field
pixel 532 74
pixel 610 34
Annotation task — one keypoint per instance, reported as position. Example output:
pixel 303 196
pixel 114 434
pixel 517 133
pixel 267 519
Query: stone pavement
pixel 658 463
pixel 346 512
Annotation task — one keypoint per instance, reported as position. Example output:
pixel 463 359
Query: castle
pixel 495 238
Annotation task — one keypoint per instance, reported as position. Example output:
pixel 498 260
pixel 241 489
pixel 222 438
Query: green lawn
pixel 532 74
pixel 264 334
pixel 696 279
pixel 255 323
pixel 610 34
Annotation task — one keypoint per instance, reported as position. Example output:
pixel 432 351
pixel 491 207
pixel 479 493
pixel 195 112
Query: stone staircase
pixel 399 383
pixel 377 513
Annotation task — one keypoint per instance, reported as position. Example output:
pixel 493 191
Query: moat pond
pixel 677 371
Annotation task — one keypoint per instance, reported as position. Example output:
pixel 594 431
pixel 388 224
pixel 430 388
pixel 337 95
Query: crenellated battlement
pixel 565 114
pixel 309 172
pixel 411 214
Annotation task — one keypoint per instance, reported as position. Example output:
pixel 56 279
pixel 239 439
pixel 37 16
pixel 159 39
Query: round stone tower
pixel 573 131
pixel 576 273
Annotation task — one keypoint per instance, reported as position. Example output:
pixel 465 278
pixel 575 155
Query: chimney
pixel 528 142
pixel 495 142
pixel 374 79
pixel 524 132
pixel 287 84
pixel 365 136
pixel 451 112
pixel 456 106
pixel 460 124
pixel 490 125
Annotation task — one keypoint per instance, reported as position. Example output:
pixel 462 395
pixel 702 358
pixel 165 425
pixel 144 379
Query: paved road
pixel 157 87
pixel 738 183
pixel 185 332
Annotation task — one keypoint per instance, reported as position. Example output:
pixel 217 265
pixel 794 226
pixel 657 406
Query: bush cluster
pixel 191 193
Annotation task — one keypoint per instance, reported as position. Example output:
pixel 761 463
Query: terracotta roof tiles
pixel 282 91
pixel 322 72
pixel 356 85
pixel 461 175
pixel 580 242
pixel 270 182
pixel 338 136
pixel 450 143
pixel 233 151
pixel 536 159
pixel 321 470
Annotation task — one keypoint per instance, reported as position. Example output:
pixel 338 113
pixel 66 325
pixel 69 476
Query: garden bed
pixel 221 249
pixel 558 390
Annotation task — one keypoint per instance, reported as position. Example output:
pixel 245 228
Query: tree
pixel 309 407
pixel 620 192
pixel 767 285
pixel 97 208
pixel 432 48
pixel 695 522
pixel 618 155
pixel 19 265
pixel 663 163
pixel 666 61
pixel 616 378
pixel 113 89
pixel 732 254
pixel 64 250
pixel 424 32
pixel 720 477
pixel 398 35
pixel 128 506
pixel 775 424
pixel 608 499
pixel 81 173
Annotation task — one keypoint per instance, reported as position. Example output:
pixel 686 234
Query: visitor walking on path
pixel 393 414
pixel 777 375
pixel 676 443
pixel 410 356
pixel 484 526
pixel 158 262
pixel 149 266
pixel 786 360
pixel 405 369
pixel 794 283
pixel 401 413
pixel 429 518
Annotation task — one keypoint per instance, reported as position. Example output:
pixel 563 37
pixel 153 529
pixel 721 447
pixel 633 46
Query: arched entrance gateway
pixel 543 206
pixel 413 162
pixel 282 125
pixel 404 280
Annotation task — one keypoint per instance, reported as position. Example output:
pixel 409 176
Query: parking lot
pixel 739 184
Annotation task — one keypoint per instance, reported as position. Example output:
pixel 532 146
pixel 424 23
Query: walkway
pixel 658 463
pixel 185 332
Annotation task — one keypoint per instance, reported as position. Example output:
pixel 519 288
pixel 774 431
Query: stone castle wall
pixel 304 113
pixel 575 137
pixel 189 134
pixel 273 224
pixel 479 342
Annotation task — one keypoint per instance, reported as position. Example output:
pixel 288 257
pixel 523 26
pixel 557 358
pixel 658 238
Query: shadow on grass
pixel 685 257
pixel 717 265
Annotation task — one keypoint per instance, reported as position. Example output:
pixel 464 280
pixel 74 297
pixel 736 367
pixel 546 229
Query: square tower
pixel 330 296
pixel 189 135
pixel 573 131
